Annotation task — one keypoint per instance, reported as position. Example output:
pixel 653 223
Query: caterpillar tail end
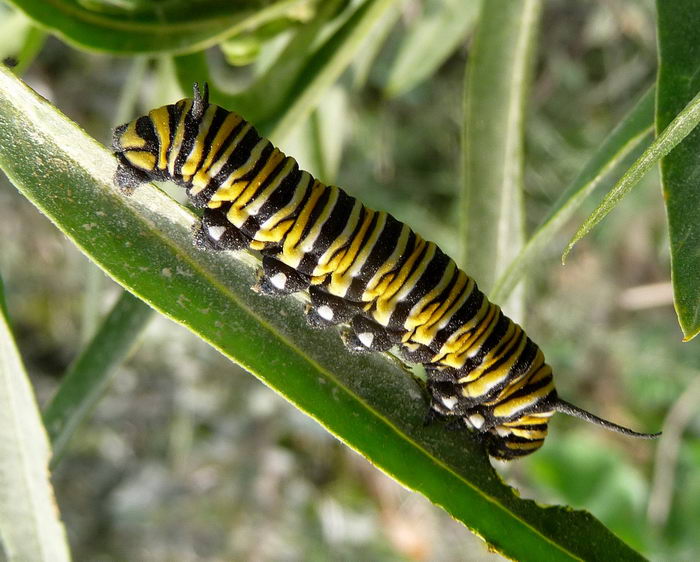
pixel 564 407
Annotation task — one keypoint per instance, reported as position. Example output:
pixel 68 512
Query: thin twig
pixel 677 420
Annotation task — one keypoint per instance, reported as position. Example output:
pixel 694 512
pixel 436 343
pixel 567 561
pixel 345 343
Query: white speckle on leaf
pixel 167 272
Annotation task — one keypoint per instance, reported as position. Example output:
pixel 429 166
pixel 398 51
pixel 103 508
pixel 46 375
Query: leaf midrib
pixel 227 293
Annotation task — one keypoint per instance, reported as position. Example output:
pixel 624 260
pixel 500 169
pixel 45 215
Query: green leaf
pixel 433 36
pixel 324 67
pixel 148 26
pixel 676 131
pixel 301 75
pixel 372 46
pixel 498 73
pixel 631 135
pixel 144 242
pixel 30 528
pixel 19 39
pixel 317 145
pixel 90 374
pixel 679 81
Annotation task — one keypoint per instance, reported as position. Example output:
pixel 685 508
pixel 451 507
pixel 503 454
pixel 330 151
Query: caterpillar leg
pixel 443 397
pixel 366 335
pixel 127 178
pixel 277 278
pixel 441 374
pixel 215 232
pixel 416 352
pixel 327 310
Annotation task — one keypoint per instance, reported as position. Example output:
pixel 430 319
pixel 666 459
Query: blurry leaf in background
pixel 675 132
pixel 363 62
pixel 437 29
pixel 324 67
pixel 290 88
pixel 88 377
pixel 270 90
pixel 497 84
pixel 149 26
pixel 679 82
pixel 585 473
pixel 30 528
pixel 145 243
pixel 244 49
pixel 630 136
pixel 318 144
pixel 20 40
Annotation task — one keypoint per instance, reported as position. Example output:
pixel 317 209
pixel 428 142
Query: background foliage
pixel 189 457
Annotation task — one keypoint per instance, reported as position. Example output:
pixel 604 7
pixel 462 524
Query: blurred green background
pixel 189 457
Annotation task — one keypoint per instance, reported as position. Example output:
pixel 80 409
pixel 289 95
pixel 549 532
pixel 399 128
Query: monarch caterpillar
pixel 360 267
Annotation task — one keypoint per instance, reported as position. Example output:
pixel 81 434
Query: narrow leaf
pixel 369 51
pixel 90 374
pixel 678 129
pixel 498 72
pixel 30 528
pixel 679 81
pixel 317 144
pixel 306 73
pixel 328 62
pixel 145 243
pixel 270 90
pixel 632 134
pixel 436 32
pixel 267 94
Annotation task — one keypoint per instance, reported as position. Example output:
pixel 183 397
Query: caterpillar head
pixel 142 145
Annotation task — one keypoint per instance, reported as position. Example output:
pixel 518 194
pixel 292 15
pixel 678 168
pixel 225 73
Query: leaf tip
pixel 689 337
pixel 567 251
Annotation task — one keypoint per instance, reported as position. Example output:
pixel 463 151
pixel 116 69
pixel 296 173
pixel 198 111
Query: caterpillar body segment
pixel 361 267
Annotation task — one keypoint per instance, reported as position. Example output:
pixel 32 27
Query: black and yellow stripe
pixel 360 266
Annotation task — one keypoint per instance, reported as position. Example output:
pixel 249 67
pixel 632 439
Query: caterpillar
pixel 359 266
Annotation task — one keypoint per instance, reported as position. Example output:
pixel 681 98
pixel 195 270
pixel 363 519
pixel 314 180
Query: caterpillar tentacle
pixel 361 267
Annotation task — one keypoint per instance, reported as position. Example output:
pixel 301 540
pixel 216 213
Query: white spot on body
pixel 325 312
pixel 167 272
pixel 366 338
pixel 502 431
pixel 477 420
pixel 216 232
pixel 449 402
pixel 279 280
